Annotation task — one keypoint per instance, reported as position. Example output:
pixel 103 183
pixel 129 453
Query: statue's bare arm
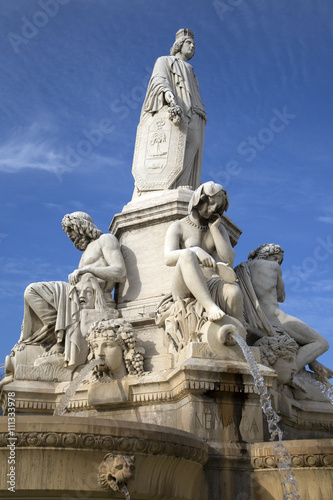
pixel 222 243
pixel 172 250
pixel 114 271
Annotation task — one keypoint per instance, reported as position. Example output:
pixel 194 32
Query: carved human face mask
pixel 86 296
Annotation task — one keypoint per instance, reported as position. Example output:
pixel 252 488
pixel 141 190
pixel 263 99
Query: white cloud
pixel 27 149
pixel 327 220
pixel 53 206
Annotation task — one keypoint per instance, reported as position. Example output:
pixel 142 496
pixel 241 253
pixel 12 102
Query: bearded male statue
pixel 52 309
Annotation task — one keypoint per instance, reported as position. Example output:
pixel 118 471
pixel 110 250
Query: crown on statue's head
pixel 184 32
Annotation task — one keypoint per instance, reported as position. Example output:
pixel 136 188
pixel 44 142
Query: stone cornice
pixel 118 437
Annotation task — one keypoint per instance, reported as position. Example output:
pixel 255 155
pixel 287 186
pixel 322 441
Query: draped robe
pixel 177 76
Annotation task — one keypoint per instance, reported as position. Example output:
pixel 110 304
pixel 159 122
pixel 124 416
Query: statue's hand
pixel 169 97
pixel 214 222
pixel 204 258
pixel 73 278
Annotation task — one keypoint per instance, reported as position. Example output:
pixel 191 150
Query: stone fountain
pixel 160 401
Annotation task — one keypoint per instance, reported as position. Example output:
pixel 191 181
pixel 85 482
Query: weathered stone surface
pixel 66 453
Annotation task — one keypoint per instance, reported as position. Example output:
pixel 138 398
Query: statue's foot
pixel 57 349
pixel 214 313
pixel 322 372
pixel 8 378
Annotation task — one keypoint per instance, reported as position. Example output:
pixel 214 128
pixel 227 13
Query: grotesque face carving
pixel 115 471
pixel 86 296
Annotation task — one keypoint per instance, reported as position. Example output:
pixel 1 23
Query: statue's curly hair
pixel 279 346
pixel 121 332
pixel 82 225
pixel 264 250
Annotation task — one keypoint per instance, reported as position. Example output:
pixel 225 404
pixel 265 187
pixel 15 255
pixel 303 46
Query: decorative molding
pixel 105 443
pixel 186 386
pixel 299 460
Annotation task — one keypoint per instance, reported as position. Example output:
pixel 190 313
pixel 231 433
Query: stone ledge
pixel 304 453
pixel 104 435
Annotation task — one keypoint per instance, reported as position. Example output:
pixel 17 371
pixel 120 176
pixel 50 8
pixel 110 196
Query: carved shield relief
pixel 159 151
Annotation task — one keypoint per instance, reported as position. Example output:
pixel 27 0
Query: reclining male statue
pixel 261 281
pixel 55 312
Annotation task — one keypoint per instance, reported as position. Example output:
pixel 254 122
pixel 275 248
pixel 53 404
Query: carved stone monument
pixel 169 143
pixel 159 400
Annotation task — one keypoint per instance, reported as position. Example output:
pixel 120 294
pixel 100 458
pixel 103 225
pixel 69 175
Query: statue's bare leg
pixel 312 344
pixel 232 301
pixel 189 280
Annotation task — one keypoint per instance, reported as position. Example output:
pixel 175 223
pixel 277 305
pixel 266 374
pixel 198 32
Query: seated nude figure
pixel 264 265
pixel 194 245
pixel 52 309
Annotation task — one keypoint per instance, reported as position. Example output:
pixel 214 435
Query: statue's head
pixel 279 352
pixel 184 43
pixel 115 471
pixel 209 199
pixel 117 346
pixel 267 251
pixel 105 344
pixel 80 228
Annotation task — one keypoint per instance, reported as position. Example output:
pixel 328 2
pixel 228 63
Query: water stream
pixel 73 387
pixel 125 490
pixel 326 391
pixel 289 482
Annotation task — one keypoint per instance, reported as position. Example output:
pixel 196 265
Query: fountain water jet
pixel 126 492
pixel 326 391
pixel 289 482
pixel 73 387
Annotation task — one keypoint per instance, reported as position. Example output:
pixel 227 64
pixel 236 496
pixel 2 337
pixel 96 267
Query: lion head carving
pixel 115 471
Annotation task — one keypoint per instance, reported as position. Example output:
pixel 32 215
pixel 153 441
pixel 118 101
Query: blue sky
pixel 77 70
